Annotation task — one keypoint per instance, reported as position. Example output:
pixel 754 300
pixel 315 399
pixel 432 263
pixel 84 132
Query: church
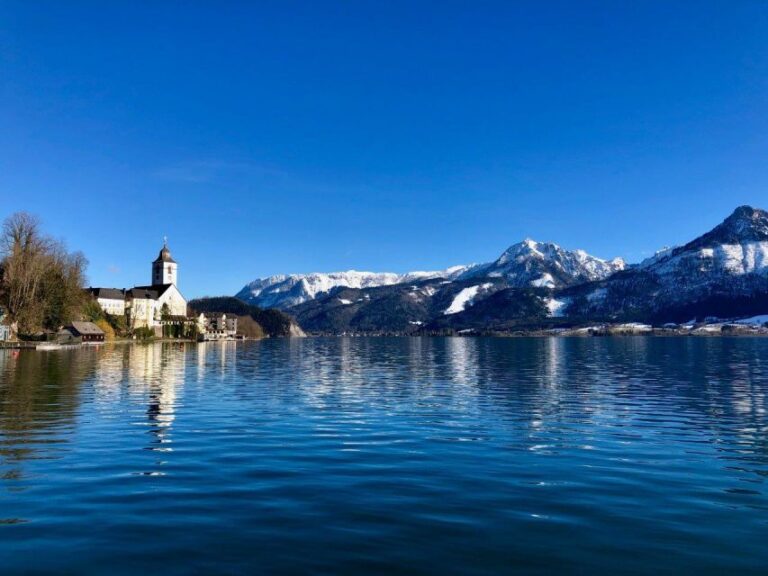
pixel 150 306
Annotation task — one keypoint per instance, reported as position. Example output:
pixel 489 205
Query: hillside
pixel 274 323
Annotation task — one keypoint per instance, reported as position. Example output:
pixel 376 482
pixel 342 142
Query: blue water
pixel 373 456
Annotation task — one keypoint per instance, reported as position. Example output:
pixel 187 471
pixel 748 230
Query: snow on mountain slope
pixel 525 264
pixel 659 255
pixel 733 259
pixel 760 320
pixel 736 247
pixel 284 291
pixel 556 308
pixel 465 298
pixel 722 272
pixel 544 264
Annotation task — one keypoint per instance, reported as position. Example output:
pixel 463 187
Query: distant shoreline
pixel 49 347
pixel 542 334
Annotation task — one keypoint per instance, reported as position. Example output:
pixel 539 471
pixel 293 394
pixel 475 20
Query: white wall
pixel 177 304
pixel 164 273
pixel 112 306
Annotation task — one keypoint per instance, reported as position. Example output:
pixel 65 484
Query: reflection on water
pixel 39 394
pixel 455 455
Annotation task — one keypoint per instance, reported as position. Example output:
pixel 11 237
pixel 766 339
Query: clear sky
pixel 277 137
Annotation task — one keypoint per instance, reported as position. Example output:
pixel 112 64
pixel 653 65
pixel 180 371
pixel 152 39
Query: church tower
pixel 164 267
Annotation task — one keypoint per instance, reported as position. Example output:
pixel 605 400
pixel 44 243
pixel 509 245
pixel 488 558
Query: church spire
pixel 164 267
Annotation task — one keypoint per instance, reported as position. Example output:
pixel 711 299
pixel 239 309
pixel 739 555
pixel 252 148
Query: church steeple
pixel 164 267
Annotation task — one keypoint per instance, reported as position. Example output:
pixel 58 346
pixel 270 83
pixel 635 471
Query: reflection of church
pixel 148 306
pixel 158 371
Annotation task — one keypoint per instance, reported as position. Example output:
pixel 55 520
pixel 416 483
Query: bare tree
pixel 40 283
pixel 23 252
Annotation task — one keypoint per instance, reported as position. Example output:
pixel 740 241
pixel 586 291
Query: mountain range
pixel 533 284
pixel 527 263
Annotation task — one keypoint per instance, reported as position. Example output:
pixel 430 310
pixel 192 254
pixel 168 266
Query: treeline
pixel 273 322
pixel 41 284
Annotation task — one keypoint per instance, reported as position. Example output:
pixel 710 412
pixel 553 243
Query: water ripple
pixel 421 456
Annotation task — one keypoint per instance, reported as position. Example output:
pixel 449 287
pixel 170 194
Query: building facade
pixel 147 306
pixel 111 300
pixel 85 331
pixel 216 326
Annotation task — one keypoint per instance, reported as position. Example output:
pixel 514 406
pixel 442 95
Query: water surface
pixel 361 456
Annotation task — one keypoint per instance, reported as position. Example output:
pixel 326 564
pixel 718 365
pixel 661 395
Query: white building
pixel 140 307
pixel 148 306
pixel 216 326
pixel 111 300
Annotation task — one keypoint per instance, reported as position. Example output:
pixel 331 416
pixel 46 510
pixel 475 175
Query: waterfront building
pixel 152 306
pixel 217 326
pixel 85 331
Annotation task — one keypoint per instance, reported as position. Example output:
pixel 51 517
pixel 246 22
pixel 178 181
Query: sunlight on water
pixel 418 455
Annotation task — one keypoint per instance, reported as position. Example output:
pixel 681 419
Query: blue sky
pixel 278 137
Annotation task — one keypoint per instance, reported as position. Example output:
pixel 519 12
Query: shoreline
pixel 47 347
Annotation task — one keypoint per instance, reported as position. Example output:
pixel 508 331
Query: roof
pixel 109 293
pixel 84 328
pixel 157 289
pixel 215 314
pixel 144 292
pixel 165 255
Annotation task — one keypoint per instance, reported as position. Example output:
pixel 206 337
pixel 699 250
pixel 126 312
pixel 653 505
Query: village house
pixel 83 331
pixel 216 326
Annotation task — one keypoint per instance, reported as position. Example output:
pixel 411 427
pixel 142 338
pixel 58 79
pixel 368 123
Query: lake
pixel 633 455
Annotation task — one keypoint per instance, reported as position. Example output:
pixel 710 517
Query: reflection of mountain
pixel 534 394
pixel 462 358
pixel 539 385
pixel 39 392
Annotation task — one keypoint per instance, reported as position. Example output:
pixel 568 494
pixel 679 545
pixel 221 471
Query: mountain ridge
pixel 723 272
pixel 526 263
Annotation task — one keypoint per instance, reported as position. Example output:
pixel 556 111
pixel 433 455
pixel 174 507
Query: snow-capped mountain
pixel 545 265
pixel 725 265
pixel 284 291
pixel 722 273
pixel 737 246
pixel 525 264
